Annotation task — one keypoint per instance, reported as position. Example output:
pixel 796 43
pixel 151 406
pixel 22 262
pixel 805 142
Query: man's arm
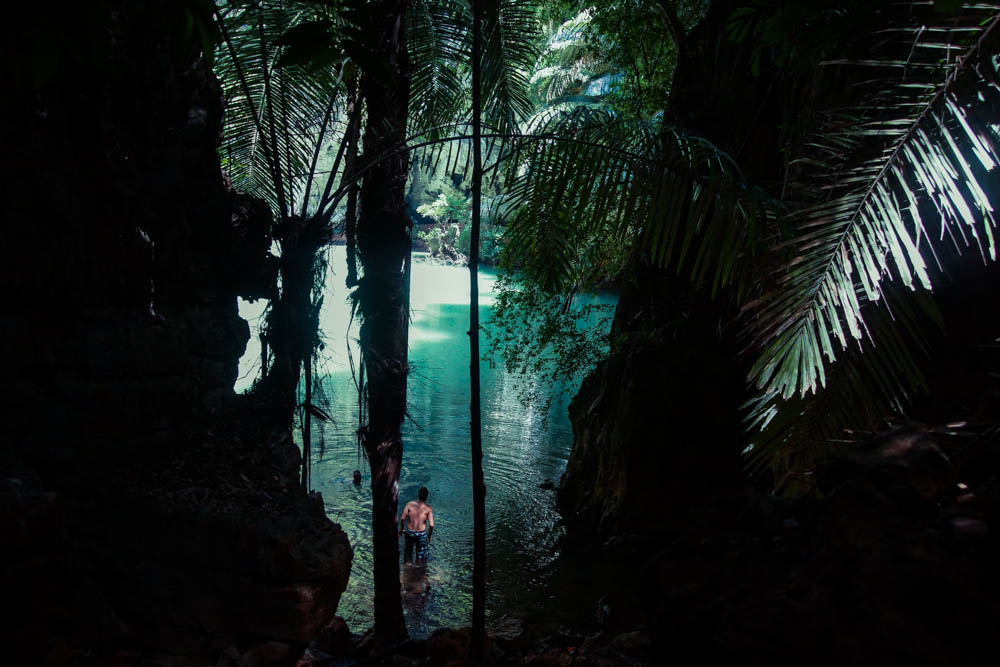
pixel 430 525
pixel 402 519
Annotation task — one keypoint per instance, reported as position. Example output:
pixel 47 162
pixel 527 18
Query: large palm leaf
pixel 438 41
pixel 886 180
pixel 509 53
pixel 868 390
pixel 584 180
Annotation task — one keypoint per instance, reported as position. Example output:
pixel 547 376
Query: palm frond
pixel 909 162
pixel 563 179
pixel 509 32
pixel 868 389
pixel 597 182
pixel 438 38
pixel 275 112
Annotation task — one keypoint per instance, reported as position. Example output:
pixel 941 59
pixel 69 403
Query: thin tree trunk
pixel 478 484
pixel 263 356
pixel 351 214
pixel 383 247
pixel 307 422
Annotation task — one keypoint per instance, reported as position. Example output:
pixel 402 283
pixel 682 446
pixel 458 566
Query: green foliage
pixel 438 40
pixel 642 58
pixel 453 233
pixel 490 242
pixel 589 186
pixel 547 338
pixel 448 207
pixel 509 29
pixel 913 138
pixel 617 55
pixel 571 66
pixel 898 155
pixel 912 151
pixel 441 237
pixel 276 96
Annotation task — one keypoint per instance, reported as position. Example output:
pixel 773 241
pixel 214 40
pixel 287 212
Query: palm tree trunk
pixel 478 485
pixel 383 237
pixel 288 323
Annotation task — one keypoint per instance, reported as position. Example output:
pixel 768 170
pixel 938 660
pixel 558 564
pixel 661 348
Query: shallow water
pixel 522 448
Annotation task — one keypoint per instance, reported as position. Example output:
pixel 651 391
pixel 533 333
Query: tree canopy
pixel 886 130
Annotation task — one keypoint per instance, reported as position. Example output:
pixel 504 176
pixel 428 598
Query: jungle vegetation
pixel 884 118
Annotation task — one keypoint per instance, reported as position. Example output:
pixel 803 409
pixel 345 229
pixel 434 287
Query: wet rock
pixel 639 442
pixel 509 635
pixel 366 645
pixel 335 637
pixel 412 648
pixel 552 657
pixel 634 644
pixel 548 484
pixel 595 643
pixel 314 657
pixel 269 654
pixel 905 466
pixel 446 645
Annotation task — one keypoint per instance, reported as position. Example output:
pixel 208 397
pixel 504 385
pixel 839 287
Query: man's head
pixel 422 494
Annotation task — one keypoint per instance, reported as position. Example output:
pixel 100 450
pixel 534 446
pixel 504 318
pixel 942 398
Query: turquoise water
pixel 523 446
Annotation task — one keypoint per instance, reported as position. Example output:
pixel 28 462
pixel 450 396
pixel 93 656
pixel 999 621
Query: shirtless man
pixel 418 517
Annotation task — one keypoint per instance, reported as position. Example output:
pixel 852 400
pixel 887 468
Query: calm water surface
pixel 523 447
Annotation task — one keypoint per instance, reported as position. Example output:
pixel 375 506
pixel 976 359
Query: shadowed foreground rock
pixel 197 558
pixel 895 564
pixel 509 642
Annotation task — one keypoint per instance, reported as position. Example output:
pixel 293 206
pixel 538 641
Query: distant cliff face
pixel 141 503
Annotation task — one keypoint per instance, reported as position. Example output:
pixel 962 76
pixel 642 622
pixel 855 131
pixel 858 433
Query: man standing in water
pixel 418 518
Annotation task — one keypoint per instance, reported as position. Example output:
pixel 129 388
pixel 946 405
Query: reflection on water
pixel 522 448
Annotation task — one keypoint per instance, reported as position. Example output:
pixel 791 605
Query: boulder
pixel 905 465
pixel 446 645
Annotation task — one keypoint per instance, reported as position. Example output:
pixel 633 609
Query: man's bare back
pixel 417 515
pixel 418 518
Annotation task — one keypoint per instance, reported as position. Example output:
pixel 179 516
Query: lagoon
pixel 524 445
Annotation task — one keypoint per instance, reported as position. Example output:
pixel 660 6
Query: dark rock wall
pixel 144 508
pixel 125 251
pixel 654 425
